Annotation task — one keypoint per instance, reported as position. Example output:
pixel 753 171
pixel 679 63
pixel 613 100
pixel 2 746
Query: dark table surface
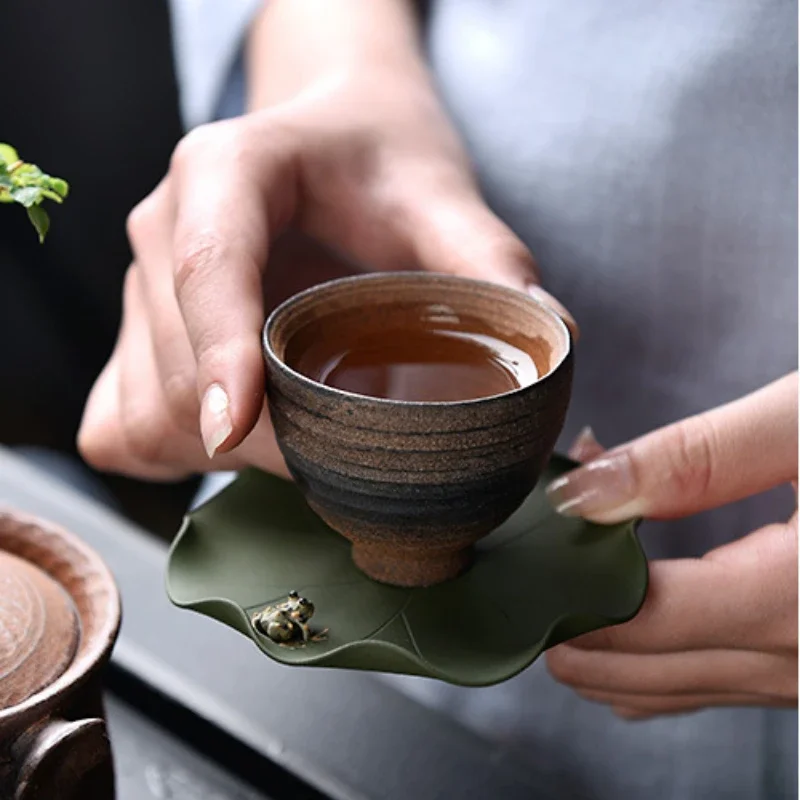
pixel 197 712
pixel 153 763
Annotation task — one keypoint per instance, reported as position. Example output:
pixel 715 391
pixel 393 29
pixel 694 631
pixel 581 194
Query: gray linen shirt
pixel 647 153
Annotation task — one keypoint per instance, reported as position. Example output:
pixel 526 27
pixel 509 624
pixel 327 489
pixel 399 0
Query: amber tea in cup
pixel 432 355
pixel 416 412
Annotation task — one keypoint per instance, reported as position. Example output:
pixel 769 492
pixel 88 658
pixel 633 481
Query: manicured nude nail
pixel 603 490
pixel 537 293
pixel 585 446
pixel 215 419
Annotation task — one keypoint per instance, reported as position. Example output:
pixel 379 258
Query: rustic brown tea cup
pixel 414 484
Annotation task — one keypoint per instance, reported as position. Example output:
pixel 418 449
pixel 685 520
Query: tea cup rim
pixel 285 306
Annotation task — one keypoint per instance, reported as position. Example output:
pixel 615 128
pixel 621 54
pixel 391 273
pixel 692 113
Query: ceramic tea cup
pixel 414 484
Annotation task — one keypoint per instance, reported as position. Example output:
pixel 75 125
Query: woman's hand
pixel 362 159
pixel 720 630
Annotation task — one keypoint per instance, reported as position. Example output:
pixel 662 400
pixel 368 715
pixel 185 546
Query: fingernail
pixel 537 293
pixel 604 490
pixel 215 419
pixel 585 446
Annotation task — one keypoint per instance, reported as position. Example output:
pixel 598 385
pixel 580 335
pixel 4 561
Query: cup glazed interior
pixel 414 484
pixel 400 301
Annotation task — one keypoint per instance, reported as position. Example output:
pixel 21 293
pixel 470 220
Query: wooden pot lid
pixel 39 630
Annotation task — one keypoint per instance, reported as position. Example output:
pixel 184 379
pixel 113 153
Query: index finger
pixel 730 452
pixel 230 203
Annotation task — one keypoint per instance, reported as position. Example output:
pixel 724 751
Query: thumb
pixel 731 452
pixel 454 231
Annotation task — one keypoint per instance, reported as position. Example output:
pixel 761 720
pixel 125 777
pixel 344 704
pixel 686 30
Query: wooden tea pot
pixel 59 617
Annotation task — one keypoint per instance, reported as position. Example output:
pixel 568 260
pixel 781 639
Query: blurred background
pixel 90 94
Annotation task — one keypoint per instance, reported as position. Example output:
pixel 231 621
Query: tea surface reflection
pixel 433 361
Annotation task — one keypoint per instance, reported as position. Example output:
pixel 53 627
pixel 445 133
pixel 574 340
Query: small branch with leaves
pixel 27 185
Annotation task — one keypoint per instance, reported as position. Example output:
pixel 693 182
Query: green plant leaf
pixel 539 579
pixel 27 195
pixel 8 154
pixel 27 185
pixel 40 219
pixel 28 174
pixel 59 187
pixel 51 195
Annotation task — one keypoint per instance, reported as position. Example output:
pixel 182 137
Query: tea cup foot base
pixel 401 566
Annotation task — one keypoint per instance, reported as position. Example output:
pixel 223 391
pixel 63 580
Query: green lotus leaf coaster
pixel 538 580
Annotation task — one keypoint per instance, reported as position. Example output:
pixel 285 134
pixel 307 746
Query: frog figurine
pixel 286 622
pixel 276 625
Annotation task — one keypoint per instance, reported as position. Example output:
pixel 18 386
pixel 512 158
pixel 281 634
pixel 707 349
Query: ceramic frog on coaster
pixel 286 622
